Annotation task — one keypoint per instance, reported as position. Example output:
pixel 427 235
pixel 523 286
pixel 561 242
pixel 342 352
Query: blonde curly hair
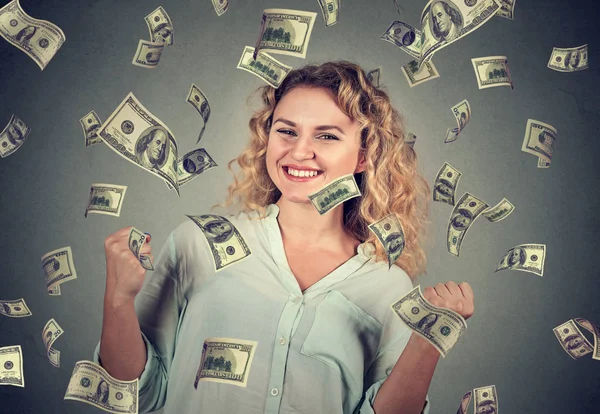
pixel 391 182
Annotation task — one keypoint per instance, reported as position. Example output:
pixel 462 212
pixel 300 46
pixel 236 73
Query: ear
pixel 362 162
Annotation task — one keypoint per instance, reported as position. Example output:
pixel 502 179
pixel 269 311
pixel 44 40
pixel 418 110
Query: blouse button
pixel 282 341
pixel 274 391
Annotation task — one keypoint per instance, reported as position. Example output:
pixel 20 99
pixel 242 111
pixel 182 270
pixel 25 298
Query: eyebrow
pixel 318 128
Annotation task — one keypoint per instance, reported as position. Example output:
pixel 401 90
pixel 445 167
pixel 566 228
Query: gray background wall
pixel 509 342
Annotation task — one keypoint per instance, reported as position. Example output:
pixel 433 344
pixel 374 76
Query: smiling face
pixel 309 131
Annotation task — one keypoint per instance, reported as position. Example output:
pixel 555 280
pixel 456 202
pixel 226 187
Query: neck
pixel 302 226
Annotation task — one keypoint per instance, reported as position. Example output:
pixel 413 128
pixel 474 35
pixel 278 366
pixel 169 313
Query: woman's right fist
pixel 124 272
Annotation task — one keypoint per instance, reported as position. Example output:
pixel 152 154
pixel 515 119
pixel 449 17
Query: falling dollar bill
pixel 405 37
pixel 51 332
pixel 570 59
pixel 524 257
pixel 160 26
pixel 11 366
pixel 507 9
pixel 416 76
pixel 191 165
pixel 13 136
pixel 39 39
pixel 136 241
pixel 331 11
pixel 91 384
pixel 147 54
pixel 499 212
pixel 443 22
pixel 462 113
pixel 446 182
pixel 264 66
pixel 492 71
pixel 486 399
pixel 199 101
pixel 58 267
pixel 226 243
pixel 572 340
pixel 410 139
pixel 463 216
pixel 335 193
pixel 16 308
pixel 106 199
pixel 390 233
pixel 226 360
pixel 373 76
pixel 464 403
pixel 441 327
pixel 539 140
pixel 91 123
pixel 284 31
pixel 220 6
pixel 137 135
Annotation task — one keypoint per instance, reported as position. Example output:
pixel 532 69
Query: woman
pixel 309 306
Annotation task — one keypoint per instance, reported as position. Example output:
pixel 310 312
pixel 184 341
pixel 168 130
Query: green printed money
pixel 335 193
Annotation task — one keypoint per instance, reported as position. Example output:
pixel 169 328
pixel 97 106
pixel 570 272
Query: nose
pixel 303 149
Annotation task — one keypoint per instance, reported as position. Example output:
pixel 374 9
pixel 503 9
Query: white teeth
pixel 302 173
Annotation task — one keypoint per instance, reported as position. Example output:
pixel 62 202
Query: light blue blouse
pixel 325 350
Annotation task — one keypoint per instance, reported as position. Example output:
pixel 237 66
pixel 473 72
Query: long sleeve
pixel 159 306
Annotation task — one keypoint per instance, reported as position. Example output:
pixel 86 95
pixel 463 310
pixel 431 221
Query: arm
pixel 404 390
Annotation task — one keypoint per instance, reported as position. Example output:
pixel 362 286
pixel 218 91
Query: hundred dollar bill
pixel 191 165
pixel 572 340
pixel 486 399
pixel 570 59
pixel 595 330
pixel 199 101
pixel 335 193
pixel 462 113
pixel 416 76
pixel 390 233
pixel 91 123
pixel 492 71
pixel 445 21
pixel 226 360
pixel 136 241
pixel 58 267
pixel 13 136
pixel 16 308
pixel 464 404
pixel 499 212
pixel 220 6
pixel 410 139
pixel 441 327
pixel 373 76
pixel 331 11
pixel 405 37
pixel 226 243
pixel 11 366
pixel 446 182
pixel 285 31
pixel 148 54
pixel 50 334
pixel 539 140
pixel 160 26
pixel 507 9
pixel 54 290
pixel 137 135
pixel 463 216
pixel 106 199
pixel 39 39
pixel 524 257
pixel 91 384
pixel 264 66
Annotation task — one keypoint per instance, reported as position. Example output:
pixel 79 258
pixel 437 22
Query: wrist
pixel 422 345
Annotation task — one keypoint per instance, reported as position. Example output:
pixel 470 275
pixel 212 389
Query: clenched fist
pixel 458 298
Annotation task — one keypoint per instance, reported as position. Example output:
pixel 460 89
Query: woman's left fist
pixel 449 295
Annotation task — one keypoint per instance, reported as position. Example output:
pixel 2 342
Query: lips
pixel 295 178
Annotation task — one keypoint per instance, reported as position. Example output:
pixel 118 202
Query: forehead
pixel 311 105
